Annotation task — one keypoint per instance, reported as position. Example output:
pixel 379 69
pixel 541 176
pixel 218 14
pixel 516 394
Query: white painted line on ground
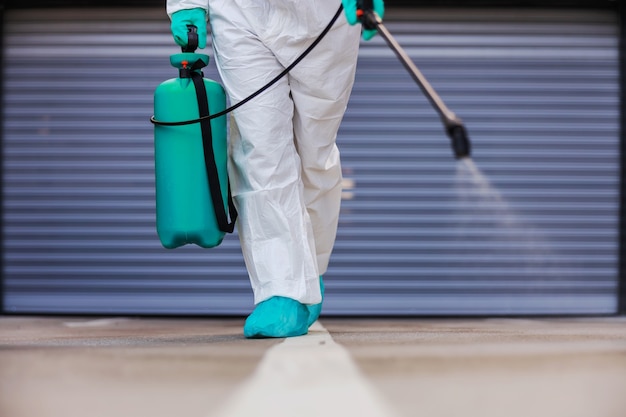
pixel 95 323
pixel 307 376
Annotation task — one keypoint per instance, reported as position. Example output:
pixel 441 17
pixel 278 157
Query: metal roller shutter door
pixel 531 228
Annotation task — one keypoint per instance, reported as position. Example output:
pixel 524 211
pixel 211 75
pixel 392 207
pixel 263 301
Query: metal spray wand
pixel 454 126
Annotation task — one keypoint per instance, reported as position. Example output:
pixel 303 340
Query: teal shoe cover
pixel 277 317
pixel 316 309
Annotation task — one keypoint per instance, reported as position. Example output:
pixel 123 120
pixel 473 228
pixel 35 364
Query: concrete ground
pixel 85 366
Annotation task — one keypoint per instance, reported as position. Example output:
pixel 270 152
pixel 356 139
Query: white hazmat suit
pixel 284 165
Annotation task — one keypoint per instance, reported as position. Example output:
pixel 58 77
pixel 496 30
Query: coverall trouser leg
pixel 284 164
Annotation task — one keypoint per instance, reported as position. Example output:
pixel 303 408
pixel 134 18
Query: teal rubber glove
pixel 182 18
pixel 350 10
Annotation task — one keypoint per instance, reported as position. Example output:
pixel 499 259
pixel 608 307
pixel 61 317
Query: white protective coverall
pixel 284 164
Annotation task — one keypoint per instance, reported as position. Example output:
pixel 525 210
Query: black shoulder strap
pixel 209 160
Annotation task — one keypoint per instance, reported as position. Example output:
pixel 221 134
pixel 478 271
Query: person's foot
pixel 277 317
pixel 316 309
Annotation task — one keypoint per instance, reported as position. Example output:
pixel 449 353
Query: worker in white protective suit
pixel 284 166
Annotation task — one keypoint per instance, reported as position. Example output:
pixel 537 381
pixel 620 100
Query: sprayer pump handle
pixel 365 13
pixel 192 39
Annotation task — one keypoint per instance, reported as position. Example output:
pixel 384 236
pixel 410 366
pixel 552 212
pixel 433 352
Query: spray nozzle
pixel 459 138
pixel 192 39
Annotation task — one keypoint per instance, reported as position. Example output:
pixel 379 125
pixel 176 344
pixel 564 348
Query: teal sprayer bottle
pixel 192 192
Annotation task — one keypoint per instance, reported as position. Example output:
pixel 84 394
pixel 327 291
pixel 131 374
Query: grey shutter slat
pixel 419 233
